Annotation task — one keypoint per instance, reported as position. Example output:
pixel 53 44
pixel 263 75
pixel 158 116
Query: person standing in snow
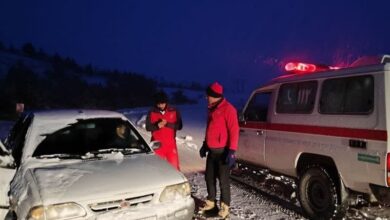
pixel 220 144
pixel 163 121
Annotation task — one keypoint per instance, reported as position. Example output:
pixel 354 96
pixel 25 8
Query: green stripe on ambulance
pixel 369 158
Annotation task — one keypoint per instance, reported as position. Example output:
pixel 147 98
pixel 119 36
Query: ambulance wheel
pixel 318 193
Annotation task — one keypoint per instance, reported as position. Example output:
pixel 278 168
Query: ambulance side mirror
pixel 241 117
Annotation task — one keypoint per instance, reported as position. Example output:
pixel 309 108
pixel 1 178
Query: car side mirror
pixel 241 117
pixel 155 145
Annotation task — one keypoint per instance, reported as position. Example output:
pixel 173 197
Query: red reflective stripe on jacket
pixel 222 126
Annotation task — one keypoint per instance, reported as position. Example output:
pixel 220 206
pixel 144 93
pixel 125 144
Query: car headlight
pixel 56 211
pixel 178 191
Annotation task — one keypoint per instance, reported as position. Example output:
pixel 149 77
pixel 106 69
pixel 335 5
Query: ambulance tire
pixel 318 193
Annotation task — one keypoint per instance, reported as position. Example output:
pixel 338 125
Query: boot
pixel 224 211
pixel 208 206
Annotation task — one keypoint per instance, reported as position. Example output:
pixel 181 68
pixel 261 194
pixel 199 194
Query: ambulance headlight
pixel 174 192
pixel 56 211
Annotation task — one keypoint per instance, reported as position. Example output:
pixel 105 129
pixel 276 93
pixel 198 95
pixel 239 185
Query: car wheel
pixel 318 193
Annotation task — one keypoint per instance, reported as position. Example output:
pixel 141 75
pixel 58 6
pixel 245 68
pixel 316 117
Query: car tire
pixel 318 193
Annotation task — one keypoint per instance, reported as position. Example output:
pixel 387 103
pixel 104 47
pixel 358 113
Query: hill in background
pixel 41 81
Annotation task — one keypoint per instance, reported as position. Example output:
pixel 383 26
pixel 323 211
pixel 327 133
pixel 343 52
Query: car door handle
pixel 259 132
pixel 242 131
pixel 357 143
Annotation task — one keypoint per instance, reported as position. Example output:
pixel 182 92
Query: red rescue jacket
pixel 222 126
pixel 166 135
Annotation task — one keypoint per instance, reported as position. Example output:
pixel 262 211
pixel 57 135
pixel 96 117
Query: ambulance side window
pixel 257 109
pixel 351 95
pixel 297 98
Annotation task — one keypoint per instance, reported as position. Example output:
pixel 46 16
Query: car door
pixel 253 129
pixel 10 156
pixel 7 172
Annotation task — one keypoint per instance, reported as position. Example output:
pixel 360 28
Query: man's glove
pixel 230 158
pixel 203 150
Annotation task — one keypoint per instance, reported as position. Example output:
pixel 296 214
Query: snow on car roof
pixel 49 121
pixel 75 114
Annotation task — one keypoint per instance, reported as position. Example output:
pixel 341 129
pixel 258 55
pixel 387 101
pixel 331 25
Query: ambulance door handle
pixel 259 132
pixel 357 143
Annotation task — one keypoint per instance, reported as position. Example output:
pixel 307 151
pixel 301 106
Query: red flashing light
pixel 300 67
pixel 296 67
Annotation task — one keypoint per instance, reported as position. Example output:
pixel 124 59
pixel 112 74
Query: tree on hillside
pixel 66 84
pixel 196 86
pixel 88 69
pixel 41 54
pixel 178 97
pixel 29 49
pixel 22 85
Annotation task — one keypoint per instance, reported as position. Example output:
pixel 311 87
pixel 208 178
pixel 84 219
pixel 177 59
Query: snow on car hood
pixel 87 180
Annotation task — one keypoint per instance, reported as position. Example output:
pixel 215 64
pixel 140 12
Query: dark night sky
pixel 200 40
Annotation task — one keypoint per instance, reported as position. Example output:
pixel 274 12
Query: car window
pixel 351 95
pixel 296 98
pixel 257 109
pixel 92 135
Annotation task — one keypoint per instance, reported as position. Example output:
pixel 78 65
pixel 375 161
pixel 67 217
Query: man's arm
pixel 149 125
pixel 233 128
pixel 178 125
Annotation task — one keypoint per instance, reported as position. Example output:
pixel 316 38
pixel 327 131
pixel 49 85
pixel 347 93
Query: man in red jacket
pixel 220 145
pixel 163 121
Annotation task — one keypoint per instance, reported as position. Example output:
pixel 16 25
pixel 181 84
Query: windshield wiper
pixel 127 151
pixel 107 150
pixel 60 156
pixel 124 151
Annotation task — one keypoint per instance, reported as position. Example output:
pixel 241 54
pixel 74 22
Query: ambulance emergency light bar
pixel 297 67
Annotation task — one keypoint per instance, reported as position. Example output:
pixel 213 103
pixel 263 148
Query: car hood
pixel 94 179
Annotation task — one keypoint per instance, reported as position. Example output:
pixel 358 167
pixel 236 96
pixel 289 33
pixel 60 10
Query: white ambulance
pixel 325 127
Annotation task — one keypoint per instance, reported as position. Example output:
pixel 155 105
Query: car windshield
pixel 92 137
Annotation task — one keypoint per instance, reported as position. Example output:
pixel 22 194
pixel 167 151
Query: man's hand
pixel 230 158
pixel 203 150
pixel 162 123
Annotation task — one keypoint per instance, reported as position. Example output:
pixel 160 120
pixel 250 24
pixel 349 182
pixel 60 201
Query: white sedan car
pixel 70 164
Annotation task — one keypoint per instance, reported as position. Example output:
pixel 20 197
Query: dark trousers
pixel 217 169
